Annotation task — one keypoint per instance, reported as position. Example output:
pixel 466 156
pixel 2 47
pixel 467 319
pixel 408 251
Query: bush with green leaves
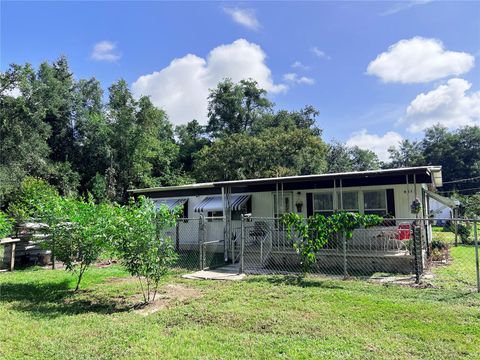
pixel 142 245
pixel 6 225
pixel 79 230
pixel 314 232
pixel 31 198
pixel 464 230
pixel 80 233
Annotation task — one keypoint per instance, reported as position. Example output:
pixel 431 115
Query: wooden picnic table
pixel 13 242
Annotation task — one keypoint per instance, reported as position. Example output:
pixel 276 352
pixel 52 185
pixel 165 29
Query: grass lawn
pixel 261 317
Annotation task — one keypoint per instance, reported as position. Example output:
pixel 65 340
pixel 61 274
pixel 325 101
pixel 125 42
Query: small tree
pixel 144 249
pixel 80 234
pixel 314 232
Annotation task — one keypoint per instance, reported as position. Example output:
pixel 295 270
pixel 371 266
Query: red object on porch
pixel 404 232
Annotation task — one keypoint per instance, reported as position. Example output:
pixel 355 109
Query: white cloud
pixel 403 5
pixel 13 92
pixel 245 17
pixel 448 105
pixel 376 143
pixel 320 53
pixel 105 51
pixel 181 88
pixel 294 78
pixel 419 60
pixel 300 65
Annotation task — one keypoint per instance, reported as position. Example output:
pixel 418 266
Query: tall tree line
pixel 68 132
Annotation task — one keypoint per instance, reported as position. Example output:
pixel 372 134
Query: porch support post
pixel 201 241
pixel 227 216
pixel 341 195
pixel 242 244
pixel 335 191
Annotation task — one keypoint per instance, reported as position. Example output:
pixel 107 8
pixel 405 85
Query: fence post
pixel 417 252
pixel 242 243
pixel 455 214
pixel 201 230
pixel 475 238
pixel 177 235
pixel 344 245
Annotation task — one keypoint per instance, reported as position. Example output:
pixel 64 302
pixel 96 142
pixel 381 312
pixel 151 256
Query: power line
pixel 461 180
pixel 459 190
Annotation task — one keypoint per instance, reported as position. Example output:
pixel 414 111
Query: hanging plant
pixel 415 206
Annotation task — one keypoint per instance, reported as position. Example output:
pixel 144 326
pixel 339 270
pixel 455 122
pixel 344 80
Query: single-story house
pixel 387 192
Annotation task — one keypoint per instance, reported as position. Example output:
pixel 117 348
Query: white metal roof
pixel 434 171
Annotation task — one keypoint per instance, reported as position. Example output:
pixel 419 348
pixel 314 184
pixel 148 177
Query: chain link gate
pixel 212 242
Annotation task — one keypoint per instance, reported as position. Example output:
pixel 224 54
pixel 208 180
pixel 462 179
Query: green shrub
pixel 465 231
pixel 141 243
pixel 6 225
pixel 439 245
pixel 30 199
pixel 80 232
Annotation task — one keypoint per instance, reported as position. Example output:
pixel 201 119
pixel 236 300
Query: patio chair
pixel 259 231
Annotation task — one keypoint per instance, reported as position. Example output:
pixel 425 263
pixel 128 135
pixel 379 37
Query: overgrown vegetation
pixel 317 230
pixel 81 230
pixel 6 225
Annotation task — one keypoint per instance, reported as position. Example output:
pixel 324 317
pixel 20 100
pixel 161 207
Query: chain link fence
pixel 199 242
pixel 443 256
pixel 434 252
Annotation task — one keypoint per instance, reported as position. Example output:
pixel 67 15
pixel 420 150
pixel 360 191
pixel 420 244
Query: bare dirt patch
pixel 167 296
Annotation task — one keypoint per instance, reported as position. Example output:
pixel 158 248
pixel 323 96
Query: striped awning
pixel 171 203
pixel 215 203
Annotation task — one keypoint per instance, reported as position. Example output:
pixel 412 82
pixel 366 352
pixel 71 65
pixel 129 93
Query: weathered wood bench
pixel 12 243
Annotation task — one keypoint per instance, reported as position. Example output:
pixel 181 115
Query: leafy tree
pixel 235 107
pixel 408 154
pixel 143 147
pixel 79 231
pixel 341 158
pixel 192 137
pixel 23 147
pixel 363 159
pixel 54 92
pixel 141 243
pixel 338 158
pixel 288 120
pixel 273 153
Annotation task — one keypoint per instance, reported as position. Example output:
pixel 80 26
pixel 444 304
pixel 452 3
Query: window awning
pixel 451 203
pixel 214 203
pixel 171 203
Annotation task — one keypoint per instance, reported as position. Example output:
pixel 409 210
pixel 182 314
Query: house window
pixel 215 215
pixel 236 215
pixel 375 202
pixel 323 203
pixel 350 201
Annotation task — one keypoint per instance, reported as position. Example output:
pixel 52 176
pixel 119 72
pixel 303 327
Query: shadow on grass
pixel 294 280
pixel 57 299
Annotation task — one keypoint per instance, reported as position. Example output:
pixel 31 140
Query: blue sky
pixel 318 53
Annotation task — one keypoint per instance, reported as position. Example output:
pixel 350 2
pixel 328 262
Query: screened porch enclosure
pixel 217 209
